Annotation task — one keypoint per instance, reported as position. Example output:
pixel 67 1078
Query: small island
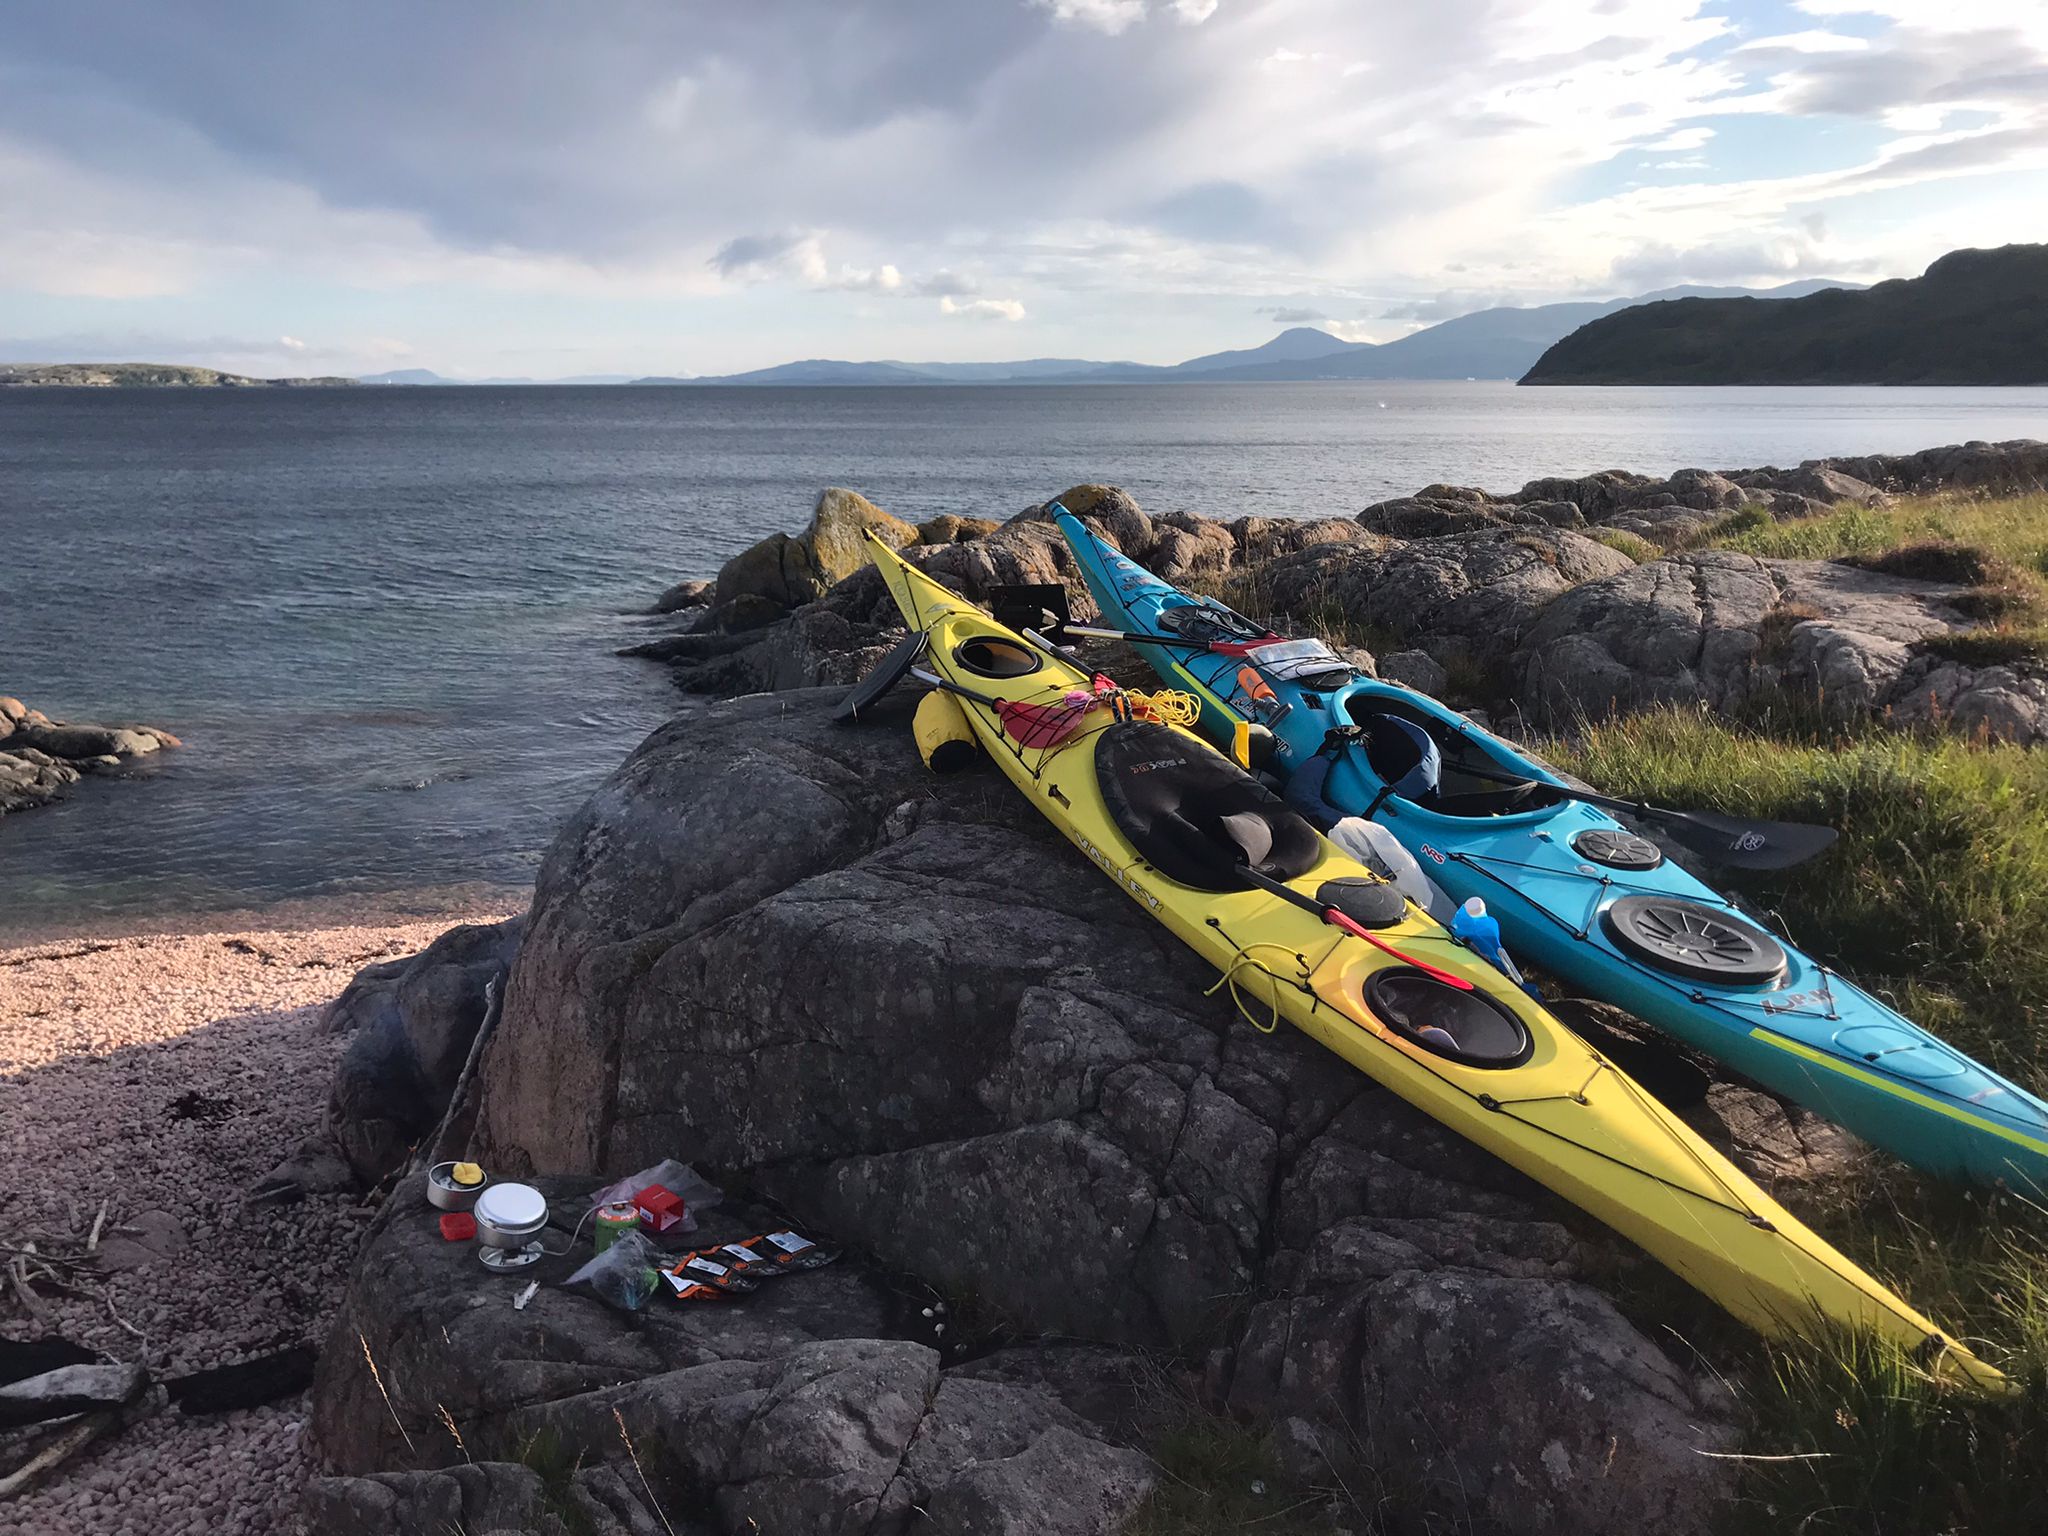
pixel 1974 317
pixel 146 376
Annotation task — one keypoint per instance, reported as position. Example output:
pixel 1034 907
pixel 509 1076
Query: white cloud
pixel 291 343
pixel 982 309
pixel 1804 42
pixel 1116 16
pixel 1110 16
pixel 1685 138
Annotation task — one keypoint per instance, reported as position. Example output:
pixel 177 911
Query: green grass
pixel 1621 541
pixel 1871 1446
pixel 548 1456
pixel 1216 1475
pixel 1998 548
pixel 1937 897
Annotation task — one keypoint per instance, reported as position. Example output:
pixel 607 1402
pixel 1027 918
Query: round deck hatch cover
pixel 1690 939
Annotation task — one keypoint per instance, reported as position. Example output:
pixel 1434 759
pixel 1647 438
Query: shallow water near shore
pixel 383 620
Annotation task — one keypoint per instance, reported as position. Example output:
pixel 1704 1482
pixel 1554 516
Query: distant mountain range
pixel 428 376
pixel 1487 344
pixel 1974 317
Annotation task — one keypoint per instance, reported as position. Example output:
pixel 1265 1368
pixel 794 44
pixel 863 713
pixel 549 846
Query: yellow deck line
pixel 1898 1090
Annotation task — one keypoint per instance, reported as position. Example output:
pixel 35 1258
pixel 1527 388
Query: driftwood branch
pixel 57 1452
pixel 77 1437
pixel 438 1147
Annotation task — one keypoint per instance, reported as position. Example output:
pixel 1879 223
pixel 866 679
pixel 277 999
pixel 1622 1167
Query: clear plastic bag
pixel 680 1179
pixel 624 1275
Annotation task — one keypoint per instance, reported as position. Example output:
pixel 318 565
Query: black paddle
pixel 887 673
pixel 1740 842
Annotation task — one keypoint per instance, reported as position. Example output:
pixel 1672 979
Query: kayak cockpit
pixel 1441 768
pixel 1471 1028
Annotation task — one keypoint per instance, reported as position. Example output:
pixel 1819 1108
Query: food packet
pixel 709 1268
pixel 791 1252
pixel 624 1275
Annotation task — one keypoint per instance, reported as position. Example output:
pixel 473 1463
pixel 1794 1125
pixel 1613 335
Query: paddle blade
pixel 886 674
pixel 1741 843
pixel 1043 726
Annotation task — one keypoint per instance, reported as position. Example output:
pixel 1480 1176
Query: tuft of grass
pixel 1967 565
pixel 1774 635
pixel 1217 1475
pixel 1622 542
pixel 548 1457
pixel 2003 645
pixel 1724 530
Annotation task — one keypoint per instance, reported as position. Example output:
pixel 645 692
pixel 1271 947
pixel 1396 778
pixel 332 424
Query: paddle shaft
pixel 966 693
pixel 1704 837
pixel 1348 925
pixel 1092 632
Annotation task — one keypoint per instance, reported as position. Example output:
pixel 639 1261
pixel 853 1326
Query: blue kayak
pixel 1574 891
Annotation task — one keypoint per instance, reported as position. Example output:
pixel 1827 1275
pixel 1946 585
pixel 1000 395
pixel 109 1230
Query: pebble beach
pixel 147 1083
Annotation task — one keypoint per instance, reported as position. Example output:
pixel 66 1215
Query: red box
pixel 659 1208
pixel 458 1226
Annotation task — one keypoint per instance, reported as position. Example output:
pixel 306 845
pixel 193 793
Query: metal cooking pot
pixel 510 1216
pixel 444 1194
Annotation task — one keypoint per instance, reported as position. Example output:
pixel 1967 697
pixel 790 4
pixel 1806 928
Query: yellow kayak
pixel 1304 933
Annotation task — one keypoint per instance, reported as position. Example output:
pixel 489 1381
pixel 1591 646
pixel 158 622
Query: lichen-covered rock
pixel 784 572
pixel 1478 591
pixel 1697 627
pixel 948 528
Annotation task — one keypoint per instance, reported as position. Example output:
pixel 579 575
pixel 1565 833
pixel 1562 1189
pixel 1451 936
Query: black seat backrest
pixel 1194 815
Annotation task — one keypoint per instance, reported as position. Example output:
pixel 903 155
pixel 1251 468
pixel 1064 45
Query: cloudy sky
pixel 699 186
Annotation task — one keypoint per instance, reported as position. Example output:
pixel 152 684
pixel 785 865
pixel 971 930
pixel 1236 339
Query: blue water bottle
pixel 1481 932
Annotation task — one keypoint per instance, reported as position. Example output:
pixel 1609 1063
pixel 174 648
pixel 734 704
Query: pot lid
pixel 512 1206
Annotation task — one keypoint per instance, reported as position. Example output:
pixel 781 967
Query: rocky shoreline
pixel 41 759
pixel 1566 599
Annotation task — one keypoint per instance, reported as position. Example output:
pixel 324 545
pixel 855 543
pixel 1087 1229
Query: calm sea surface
pixel 383 620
